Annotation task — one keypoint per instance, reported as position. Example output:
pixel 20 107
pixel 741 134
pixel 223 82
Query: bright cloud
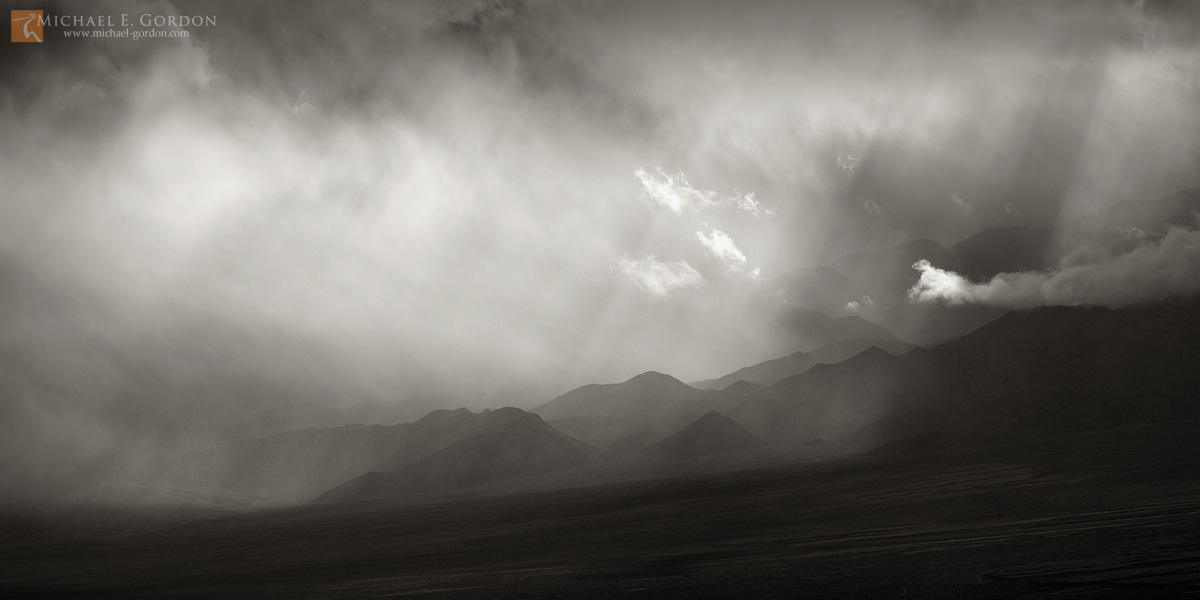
pixel 660 278
pixel 721 247
pixel 866 303
pixel 748 203
pixel 675 193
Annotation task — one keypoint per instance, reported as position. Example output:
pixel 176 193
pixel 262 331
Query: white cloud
pixel 720 246
pixel 1169 267
pixel 660 278
pixel 750 204
pixel 846 162
pixel 866 303
pixel 673 191
pixel 676 194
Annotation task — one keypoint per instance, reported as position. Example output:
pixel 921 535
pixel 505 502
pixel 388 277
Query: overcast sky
pixel 352 201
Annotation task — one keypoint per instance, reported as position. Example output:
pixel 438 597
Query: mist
pixel 296 212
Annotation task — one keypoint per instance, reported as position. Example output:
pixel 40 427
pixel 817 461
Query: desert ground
pixel 1106 513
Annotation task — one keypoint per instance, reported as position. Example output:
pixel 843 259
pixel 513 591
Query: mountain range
pixel 774 370
pixel 1045 371
pixel 299 465
pixel 523 446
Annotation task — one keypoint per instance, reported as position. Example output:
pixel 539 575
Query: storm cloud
pixel 303 208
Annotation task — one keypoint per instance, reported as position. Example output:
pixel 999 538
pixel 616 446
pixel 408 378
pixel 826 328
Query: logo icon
pixel 26 25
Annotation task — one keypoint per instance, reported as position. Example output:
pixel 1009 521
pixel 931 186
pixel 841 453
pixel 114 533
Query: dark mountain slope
pixel 1045 370
pixel 772 371
pixel 713 433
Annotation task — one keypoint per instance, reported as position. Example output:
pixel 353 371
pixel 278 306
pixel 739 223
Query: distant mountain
pixel 741 387
pixel 1149 217
pixel 873 286
pixel 1131 223
pixel 775 370
pixel 525 446
pixel 713 433
pixel 881 273
pixel 644 393
pixel 820 288
pixel 812 329
pixel 301 464
pixel 1051 369
pixel 998 250
pixel 825 400
pixel 631 413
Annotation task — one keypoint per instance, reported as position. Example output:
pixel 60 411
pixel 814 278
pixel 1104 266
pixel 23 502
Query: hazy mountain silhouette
pixel 1131 223
pixel 873 285
pixel 820 288
pixel 524 446
pixel 1049 369
pixel 302 464
pixel 1151 216
pixel 741 387
pixel 812 329
pixel 712 433
pixel 880 272
pixel 775 370
pixel 630 413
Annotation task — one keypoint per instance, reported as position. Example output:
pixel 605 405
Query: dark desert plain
pixel 1114 513
pixel 573 299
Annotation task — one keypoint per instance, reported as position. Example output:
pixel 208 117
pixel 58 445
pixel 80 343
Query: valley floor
pixel 1110 513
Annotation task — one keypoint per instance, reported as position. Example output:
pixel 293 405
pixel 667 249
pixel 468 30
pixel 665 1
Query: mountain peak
pixel 712 433
pixel 653 376
pixel 464 415
pixel 444 414
pixel 740 388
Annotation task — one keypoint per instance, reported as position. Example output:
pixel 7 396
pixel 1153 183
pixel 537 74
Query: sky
pixel 313 206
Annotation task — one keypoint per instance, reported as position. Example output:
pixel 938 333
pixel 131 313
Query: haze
pixel 297 212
